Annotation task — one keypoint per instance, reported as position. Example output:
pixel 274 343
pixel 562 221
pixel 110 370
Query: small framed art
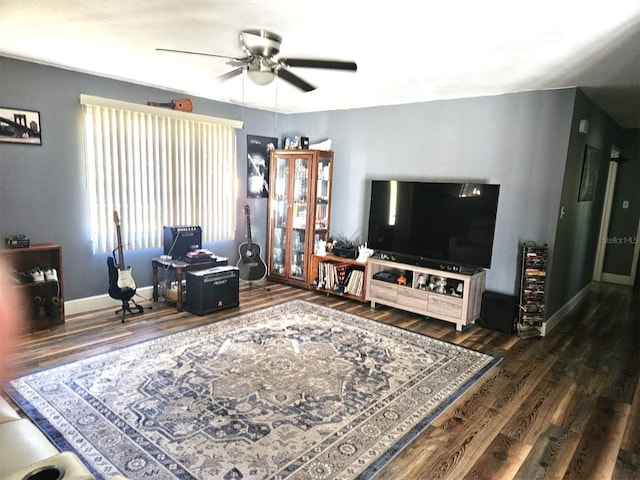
pixel 258 150
pixel 589 178
pixel 20 126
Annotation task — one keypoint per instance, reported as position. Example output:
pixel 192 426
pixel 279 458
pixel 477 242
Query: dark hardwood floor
pixel 563 406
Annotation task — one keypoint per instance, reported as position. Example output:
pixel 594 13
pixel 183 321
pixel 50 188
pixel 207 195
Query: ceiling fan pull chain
pixel 275 127
pixel 243 75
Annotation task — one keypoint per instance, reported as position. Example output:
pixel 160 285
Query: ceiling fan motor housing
pixel 260 42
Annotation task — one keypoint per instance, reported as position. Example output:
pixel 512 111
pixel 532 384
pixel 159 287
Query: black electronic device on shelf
pixel 345 251
pixel 390 277
pixel 17 241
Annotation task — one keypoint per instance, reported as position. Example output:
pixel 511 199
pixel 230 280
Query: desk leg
pixel 179 295
pixel 154 267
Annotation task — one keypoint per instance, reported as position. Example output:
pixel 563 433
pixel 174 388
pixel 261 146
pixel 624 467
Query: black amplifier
pixel 178 241
pixel 212 289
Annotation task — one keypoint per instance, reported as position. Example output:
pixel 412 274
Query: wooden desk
pixel 179 266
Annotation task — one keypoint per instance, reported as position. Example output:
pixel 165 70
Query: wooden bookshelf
pixel 43 256
pixel 350 279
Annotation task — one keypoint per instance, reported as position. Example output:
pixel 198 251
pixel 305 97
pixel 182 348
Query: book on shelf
pixel 355 282
pixel 340 277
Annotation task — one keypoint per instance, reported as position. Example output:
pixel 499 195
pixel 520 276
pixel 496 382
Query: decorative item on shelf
pixel 181 104
pixel 363 253
pixel 304 143
pixel 441 285
pixel 322 247
pixel 422 281
pixel 402 280
pixel 291 143
pixel 325 145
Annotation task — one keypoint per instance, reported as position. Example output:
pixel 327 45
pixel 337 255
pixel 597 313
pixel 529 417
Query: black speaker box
pixel 499 312
pixel 178 241
pixel 212 289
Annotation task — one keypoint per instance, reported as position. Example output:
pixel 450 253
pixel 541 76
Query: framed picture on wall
pixel 20 126
pixel 258 150
pixel 589 179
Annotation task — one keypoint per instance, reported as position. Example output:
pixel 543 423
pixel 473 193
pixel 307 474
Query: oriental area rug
pixel 293 391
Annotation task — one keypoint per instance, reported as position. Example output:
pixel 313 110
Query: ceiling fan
pixel 261 47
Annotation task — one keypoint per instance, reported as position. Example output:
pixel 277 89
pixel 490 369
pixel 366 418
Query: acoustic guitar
pixel 182 104
pixel 121 283
pixel 251 267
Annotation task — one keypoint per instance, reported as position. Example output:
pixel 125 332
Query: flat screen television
pixel 433 223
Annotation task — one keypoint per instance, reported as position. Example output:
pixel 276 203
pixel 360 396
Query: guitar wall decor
pixel 182 104
pixel 251 266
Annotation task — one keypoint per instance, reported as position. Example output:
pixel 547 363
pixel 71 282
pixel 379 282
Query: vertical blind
pixel 154 170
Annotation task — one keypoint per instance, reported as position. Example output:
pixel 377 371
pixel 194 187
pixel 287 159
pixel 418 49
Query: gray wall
pixel 521 141
pixel 42 188
pixel 518 140
pixel 576 240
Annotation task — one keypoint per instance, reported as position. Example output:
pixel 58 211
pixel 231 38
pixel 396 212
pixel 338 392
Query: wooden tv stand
pixel 460 304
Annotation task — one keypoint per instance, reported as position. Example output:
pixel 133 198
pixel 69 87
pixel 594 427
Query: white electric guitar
pixel 121 283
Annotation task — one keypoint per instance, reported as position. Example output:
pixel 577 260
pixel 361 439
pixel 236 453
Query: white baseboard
pixel 619 279
pixel 557 317
pixel 99 302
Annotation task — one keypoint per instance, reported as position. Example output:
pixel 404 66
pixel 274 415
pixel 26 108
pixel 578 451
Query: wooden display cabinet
pixel 299 212
pixel 22 261
pixel 451 296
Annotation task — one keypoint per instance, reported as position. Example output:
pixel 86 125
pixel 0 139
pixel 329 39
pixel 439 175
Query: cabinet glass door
pixel 280 201
pixel 299 216
pixel 323 193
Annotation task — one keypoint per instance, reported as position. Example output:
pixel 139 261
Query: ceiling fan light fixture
pixel 260 71
pixel 261 77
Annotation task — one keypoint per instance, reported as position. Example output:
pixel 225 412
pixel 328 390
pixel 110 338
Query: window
pixel 157 167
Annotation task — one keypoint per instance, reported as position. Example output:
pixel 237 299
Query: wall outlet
pixel 625 204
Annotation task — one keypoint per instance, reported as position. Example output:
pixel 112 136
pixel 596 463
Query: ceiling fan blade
pixel 233 73
pixel 198 53
pixel 311 63
pixel 295 80
pixel 239 62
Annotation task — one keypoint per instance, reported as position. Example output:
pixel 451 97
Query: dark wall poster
pixel 258 149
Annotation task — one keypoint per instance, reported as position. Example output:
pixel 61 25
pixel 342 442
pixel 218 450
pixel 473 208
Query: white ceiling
pixel 406 50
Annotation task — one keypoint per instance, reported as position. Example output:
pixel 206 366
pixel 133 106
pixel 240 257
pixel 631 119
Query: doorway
pixel 605 240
